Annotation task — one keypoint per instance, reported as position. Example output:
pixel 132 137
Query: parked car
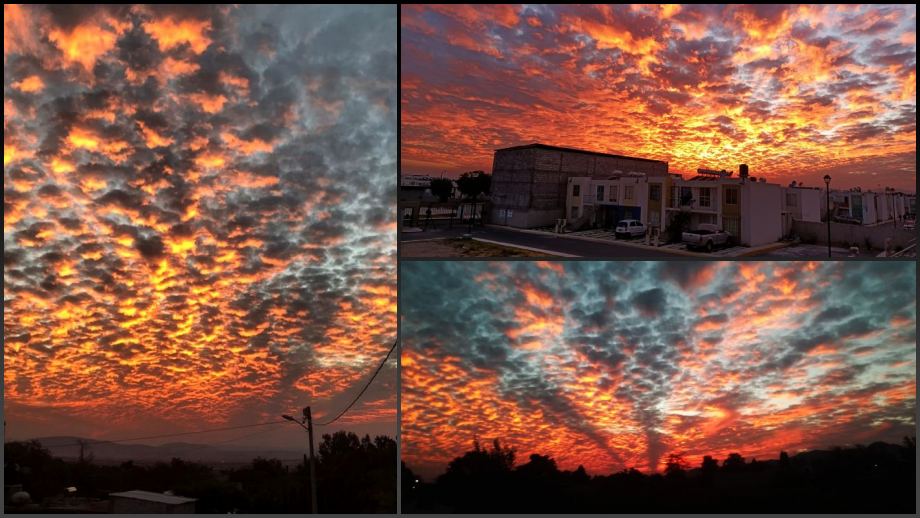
pixel 630 228
pixel 707 237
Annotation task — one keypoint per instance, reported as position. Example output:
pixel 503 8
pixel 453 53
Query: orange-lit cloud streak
pixel 795 91
pixel 190 239
pixel 615 365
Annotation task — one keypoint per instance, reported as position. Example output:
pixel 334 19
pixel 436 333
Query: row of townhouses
pixel 535 185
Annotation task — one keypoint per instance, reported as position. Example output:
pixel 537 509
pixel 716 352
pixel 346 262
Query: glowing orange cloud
pixel 170 33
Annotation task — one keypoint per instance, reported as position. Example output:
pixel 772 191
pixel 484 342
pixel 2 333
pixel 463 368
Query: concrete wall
pixel 810 201
pixel 761 221
pixel 846 235
pixel 533 181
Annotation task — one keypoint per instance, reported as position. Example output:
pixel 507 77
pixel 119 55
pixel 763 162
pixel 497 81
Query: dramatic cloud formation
pixel 613 365
pixel 199 207
pixel 792 90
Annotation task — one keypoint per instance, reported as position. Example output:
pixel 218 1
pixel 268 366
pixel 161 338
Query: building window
pixel 731 196
pixel 574 212
pixel 686 196
pixel 576 190
pixel 705 200
pixel 654 192
pixel 613 192
pixel 629 192
pixel 791 199
pixel 600 193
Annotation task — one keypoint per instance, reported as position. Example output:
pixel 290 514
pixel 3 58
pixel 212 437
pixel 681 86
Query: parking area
pixel 729 251
pixel 609 235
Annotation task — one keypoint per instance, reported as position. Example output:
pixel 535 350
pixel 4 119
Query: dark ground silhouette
pixel 354 475
pixel 879 478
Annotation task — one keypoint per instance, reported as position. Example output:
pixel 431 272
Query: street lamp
pixel 309 428
pixel 827 191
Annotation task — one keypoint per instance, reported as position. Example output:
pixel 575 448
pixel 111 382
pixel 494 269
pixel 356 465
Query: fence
pixel 847 235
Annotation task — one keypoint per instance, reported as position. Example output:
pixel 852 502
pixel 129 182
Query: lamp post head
pixel 827 179
pixel 289 418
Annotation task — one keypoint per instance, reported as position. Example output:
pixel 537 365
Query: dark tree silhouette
pixel 676 466
pixel 878 478
pixel 734 462
pixel 353 475
pixel 474 183
pixel 441 188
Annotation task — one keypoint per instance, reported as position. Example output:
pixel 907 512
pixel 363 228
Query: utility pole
pixel 827 192
pixel 309 417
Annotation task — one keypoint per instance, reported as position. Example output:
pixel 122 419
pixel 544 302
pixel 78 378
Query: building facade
pixel 530 183
pixel 868 207
pixel 750 210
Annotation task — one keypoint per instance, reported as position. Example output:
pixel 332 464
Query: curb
pixel 603 241
pixel 529 248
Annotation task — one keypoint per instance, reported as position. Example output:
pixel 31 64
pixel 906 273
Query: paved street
pixel 551 243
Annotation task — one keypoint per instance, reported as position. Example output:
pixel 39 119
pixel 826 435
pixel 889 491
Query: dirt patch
pixel 461 248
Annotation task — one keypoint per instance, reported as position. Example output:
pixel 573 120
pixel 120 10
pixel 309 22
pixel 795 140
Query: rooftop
pixel 154 497
pixel 537 145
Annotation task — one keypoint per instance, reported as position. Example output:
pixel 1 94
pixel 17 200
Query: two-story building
pixel 749 209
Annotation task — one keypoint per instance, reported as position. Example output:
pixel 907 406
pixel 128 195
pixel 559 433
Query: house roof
pixel 154 497
pixel 537 145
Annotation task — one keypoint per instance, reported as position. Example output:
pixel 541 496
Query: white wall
pixel 761 218
pixel 810 201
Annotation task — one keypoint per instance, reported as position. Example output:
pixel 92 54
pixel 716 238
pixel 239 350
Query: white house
pixel 748 209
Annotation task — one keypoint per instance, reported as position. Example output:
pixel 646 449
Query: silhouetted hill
pixel 879 478
pixel 67 447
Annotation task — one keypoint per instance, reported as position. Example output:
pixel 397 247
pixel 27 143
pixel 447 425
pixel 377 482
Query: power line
pixel 355 400
pixel 162 436
pixel 226 428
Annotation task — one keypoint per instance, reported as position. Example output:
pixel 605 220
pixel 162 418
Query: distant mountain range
pixel 101 451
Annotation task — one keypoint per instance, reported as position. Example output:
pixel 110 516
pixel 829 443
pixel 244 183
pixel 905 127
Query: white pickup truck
pixel 706 236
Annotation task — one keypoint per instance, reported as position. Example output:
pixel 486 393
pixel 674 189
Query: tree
pixel 734 462
pixel 474 183
pixel 442 188
pixel 783 460
pixel 540 466
pixel 676 466
pixel 356 474
pixel 709 468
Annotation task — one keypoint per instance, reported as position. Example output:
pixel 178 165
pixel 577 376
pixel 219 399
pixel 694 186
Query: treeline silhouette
pixel 354 475
pixel 878 478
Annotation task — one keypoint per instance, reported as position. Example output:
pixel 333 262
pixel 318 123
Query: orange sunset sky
pixel 198 218
pixel 795 91
pixel 617 365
